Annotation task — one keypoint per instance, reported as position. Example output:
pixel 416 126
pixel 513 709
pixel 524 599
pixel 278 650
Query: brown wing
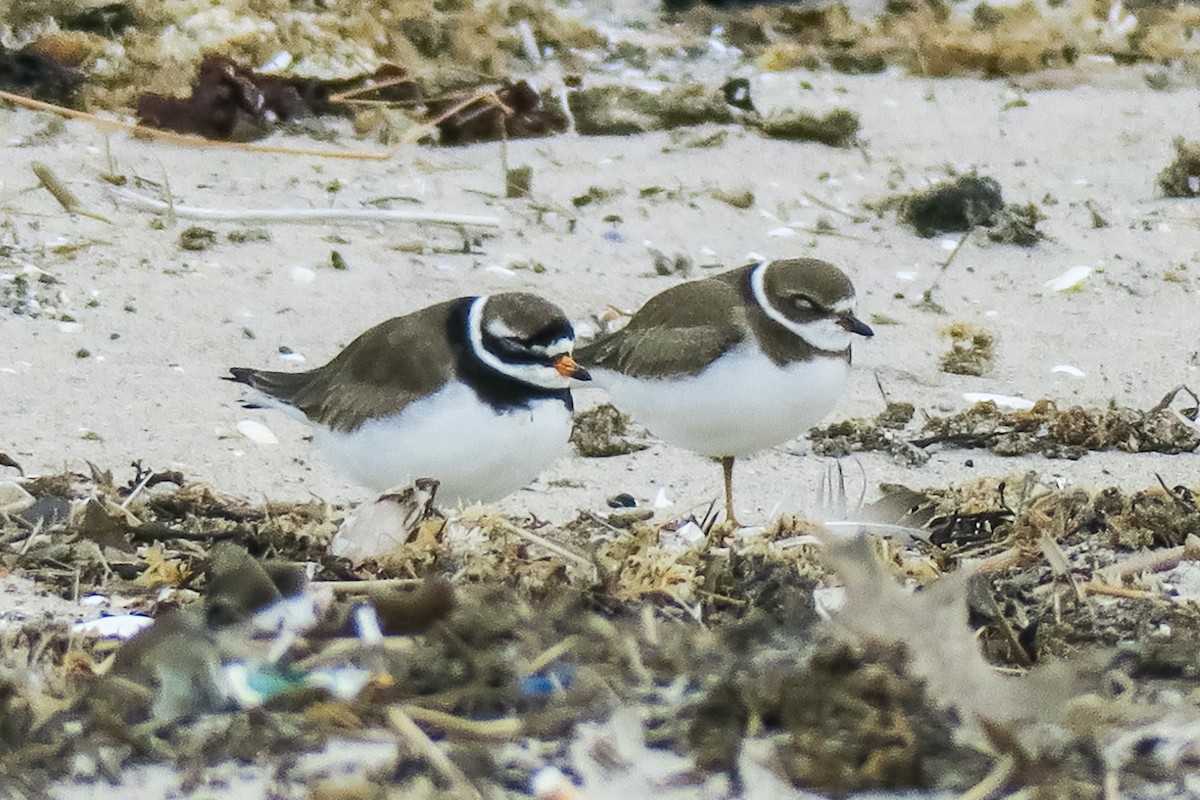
pixel 677 333
pixel 378 374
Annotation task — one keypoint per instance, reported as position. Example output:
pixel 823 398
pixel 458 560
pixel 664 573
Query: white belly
pixel 741 404
pixel 475 453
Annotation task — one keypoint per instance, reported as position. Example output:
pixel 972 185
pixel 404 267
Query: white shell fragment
pixel 661 500
pixel 117 626
pixel 13 498
pixel 303 275
pixel 256 432
pixel 379 527
pixel 1069 280
pixel 782 231
pixel 685 537
pixel 1067 369
pixel 828 600
pixel 1001 400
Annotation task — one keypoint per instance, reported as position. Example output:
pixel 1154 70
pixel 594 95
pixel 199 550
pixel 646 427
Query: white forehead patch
pixel 844 306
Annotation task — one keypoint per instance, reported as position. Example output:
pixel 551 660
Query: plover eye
pixel 804 303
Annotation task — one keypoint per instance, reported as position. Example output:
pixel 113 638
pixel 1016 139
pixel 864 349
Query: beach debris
pixel 741 197
pixel 108 19
pixel 482 642
pixel 390 522
pixel 14 498
pixel 300 215
pixel 257 432
pixel 1008 402
pixel 883 434
pixel 602 432
pixel 1009 425
pixel 513 111
pixel 958 205
pixel 972 350
pixel 29 72
pixel 1070 281
pixel 837 127
pixel 1062 433
pixel 518 181
pixel 65 197
pixel 114 626
pixel 1181 178
pixel 1017 224
pixel 621 110
pixel 680 263
pixel 196 238
pixel 231 102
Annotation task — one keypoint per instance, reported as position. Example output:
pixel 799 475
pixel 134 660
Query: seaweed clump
pixel 601 432
pixel 1045 428
pixel 972 350
pixel 959 205
pixel 838 128
pixel 1181 178
pixel 967 202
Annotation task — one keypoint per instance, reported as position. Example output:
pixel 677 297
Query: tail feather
pixel 280 386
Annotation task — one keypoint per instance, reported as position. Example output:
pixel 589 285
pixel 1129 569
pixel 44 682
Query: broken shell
pixel 1070 280
pixel 13 498
pixel 256 432
pixel 1001 400
pixel 117 626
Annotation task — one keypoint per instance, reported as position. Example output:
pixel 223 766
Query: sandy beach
pixel 134 373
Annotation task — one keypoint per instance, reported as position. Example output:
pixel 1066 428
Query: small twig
pixel 302 214
pixel 108 124
pixel 408 731
pixel 927 297
pixel 551 654
pixel 1117 591
pixel 61 193
pixel 812 198
pixel 137 489
pixel 993 782
pixel 1153 561
pixel 545 543
pixel 502 729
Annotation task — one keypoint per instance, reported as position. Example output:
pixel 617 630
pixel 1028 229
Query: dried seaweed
pixel 230 102
pixel 522 643
pixel 616 110
pixel 1046 429
pixel 1181 178
pixel 32 73
pixel 837 128
pixel 601 432
pixel 958 205
pixel 972 350
pixel 515 111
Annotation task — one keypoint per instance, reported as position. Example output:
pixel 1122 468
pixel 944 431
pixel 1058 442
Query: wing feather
pixel 677 333
pixel 378 374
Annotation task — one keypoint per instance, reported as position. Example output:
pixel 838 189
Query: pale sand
pixel 154 393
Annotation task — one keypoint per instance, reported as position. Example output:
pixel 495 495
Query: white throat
pixel 546 377
pixel 823 334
